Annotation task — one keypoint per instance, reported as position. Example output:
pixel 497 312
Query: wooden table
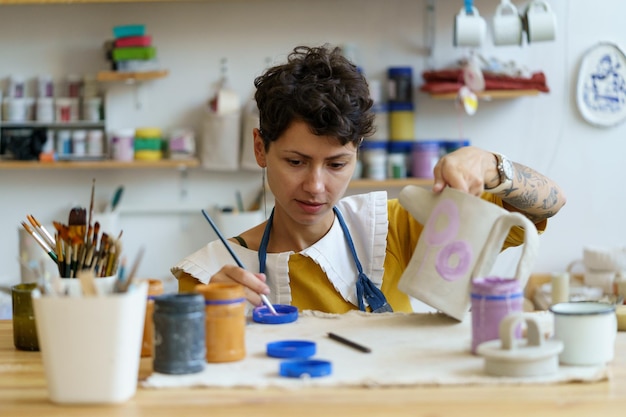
pixel 23 393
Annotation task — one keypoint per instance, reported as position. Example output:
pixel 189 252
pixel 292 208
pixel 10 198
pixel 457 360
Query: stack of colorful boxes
pixel 132 49
pixel 148 144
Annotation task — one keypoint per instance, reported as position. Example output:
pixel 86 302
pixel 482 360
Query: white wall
pixel 160 208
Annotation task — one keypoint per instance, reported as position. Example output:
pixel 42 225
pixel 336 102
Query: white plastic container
pixel 45 109
pixel 95 142
pixel 91 346
pixel 63 109
pixel 79 142
pixel 122 145
pixel 91 109
pixel 374 158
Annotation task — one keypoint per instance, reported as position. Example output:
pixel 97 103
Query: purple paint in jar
pixel 424 157
pixel 493 298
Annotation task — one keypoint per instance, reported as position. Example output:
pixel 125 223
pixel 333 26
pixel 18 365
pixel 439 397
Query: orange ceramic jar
pixel 155 287
pixel 225 308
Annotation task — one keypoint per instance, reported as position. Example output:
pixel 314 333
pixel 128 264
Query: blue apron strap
pixel 264 242
pixel 365 288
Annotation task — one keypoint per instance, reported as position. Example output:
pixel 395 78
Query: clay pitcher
pixel 461 240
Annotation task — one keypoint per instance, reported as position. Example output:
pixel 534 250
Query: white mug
pixel 587 329
pixel 507 25
pixel 469 29
pixel 540 22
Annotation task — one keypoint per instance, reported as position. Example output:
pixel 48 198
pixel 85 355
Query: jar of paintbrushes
pixel 79 245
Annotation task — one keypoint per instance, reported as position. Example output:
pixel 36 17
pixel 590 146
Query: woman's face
pixel 306 173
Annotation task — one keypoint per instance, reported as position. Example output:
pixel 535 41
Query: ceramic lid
pixel 520 357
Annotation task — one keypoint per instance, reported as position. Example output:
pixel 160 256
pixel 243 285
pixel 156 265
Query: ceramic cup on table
pixel 587 329
pixel 91 345
pixel 540 22
pixel 469 28
pixel 507 25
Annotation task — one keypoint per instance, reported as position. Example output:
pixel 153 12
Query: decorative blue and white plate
pixel 601 88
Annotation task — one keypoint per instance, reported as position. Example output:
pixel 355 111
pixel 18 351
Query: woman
pixel 314 113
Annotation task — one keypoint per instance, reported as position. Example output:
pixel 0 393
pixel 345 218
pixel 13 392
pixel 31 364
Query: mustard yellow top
pixel 312 290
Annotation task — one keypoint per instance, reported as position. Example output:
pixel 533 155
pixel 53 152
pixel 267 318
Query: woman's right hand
pixel 253 284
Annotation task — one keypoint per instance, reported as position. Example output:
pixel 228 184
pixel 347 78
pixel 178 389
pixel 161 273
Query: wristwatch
pixel 505 171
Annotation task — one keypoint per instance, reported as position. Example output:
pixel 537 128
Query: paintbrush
pixel 77 222
pixel 59 251
pixel 76 243
pixel 93 189
pixel 41 242
pixel 235 257
pixel 122 284
pixel 41 230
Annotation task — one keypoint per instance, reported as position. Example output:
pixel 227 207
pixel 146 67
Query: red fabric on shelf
pixel 450 80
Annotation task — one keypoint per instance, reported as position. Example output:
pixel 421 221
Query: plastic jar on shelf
pixel 424 157
pixel 400 83
pixel 401 121
pixel 122 145
pixel 374 159
pixel 398 157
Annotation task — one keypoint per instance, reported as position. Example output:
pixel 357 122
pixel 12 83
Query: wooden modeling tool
pixel 236 258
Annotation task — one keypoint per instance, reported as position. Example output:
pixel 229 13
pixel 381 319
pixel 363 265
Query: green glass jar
pixel 24 326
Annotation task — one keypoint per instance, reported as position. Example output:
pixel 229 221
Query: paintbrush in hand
pixel 236 258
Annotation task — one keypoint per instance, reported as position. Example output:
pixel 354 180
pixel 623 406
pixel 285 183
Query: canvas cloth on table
pixel 413 349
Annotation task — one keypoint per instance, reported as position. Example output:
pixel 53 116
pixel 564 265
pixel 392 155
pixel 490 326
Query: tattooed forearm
pixel 533 194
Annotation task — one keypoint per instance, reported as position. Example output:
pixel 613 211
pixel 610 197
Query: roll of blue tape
pixel 286 314
pixel 291 349
pixel 308 367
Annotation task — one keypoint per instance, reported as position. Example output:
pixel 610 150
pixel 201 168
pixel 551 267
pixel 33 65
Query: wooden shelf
pixel 165 163
pixel 60 125
pixel 490 95
pixel 112 76
pixel 16 2
pixel 389 183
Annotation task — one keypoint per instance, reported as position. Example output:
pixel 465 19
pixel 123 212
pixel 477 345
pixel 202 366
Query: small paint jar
pixel 122 145
pixel 64 142
pixel 155 288
pixel 79 142
pixel 95 142
pixel 24 325
pixel 374 158
pixel 225 311
pixel 493 299
pixel 401 121
pixel 179 327
pixel 424 157
pixel 399 154
pixel 400 83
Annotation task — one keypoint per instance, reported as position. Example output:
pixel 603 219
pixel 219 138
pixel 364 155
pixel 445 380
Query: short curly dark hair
pixel 320 87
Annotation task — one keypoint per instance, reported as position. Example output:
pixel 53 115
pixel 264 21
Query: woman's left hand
pixel 467 169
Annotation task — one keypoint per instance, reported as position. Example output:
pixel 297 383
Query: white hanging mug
pixel 462 237
pixel 507 25
pixel 469 28
pixel 540 22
